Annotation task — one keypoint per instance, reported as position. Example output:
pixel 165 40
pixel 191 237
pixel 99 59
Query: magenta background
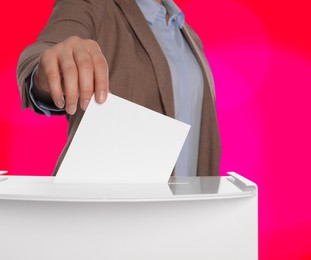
pixel 260 55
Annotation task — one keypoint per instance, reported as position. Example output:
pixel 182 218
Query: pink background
pixel 260 54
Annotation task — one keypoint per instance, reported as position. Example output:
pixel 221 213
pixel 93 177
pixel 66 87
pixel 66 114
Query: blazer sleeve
pixel 80 18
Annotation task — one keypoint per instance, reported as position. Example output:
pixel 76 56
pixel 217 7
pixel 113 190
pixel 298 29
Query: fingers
pixel 75 69
pixel 70 79
pixel 51 73
pixel 85 68
pixel 101 79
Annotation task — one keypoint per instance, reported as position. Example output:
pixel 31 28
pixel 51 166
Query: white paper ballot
pixel 122 142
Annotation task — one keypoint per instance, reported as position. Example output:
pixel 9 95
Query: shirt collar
pixel 174 12
pixel 151 9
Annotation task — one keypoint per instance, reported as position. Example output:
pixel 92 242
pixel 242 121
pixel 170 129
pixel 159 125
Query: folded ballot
pixel 122 142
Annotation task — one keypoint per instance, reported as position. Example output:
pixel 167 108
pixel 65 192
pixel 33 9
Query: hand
pixel 74 68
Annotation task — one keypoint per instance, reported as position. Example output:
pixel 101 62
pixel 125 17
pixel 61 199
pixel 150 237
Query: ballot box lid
pixel 34 188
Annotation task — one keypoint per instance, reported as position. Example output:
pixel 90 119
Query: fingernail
pixel 102 95
pixel 71 109
pixel 60 104
pixel 85 104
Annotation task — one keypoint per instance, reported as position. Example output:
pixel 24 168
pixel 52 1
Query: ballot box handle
pixel 241 182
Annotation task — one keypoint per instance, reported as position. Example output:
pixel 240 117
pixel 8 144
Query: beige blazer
pixel 138 70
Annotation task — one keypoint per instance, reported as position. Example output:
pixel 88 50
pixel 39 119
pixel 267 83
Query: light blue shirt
pixel 185 72
pixel 186 76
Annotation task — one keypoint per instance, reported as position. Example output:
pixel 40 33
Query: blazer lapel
pixel 146 37
pixel 209 149
pixel 208 77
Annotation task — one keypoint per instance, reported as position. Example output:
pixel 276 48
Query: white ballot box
pixel 189 218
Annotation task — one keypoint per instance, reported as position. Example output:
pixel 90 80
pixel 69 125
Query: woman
pixel 140 50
